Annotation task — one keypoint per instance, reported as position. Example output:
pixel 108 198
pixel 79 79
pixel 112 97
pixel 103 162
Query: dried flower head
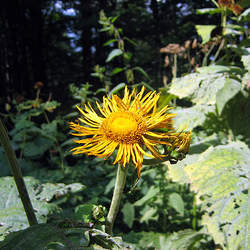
pixel 236 8
pixel 172 48
pixel 132 125
pixel 224 3
pixel 38 85
pixel 187 44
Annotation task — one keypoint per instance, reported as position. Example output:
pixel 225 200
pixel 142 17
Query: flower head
pixel 132 125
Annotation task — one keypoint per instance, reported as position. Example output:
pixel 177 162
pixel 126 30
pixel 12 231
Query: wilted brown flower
pixel 236 8
pixel 187 44
pixel 172 48
pixel 224 3
pixel 166 60
pixel 38 85
pixel 194 43
pixel 192 61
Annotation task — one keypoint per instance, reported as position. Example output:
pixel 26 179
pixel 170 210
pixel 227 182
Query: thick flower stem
pixel 16 171
pixel 117 195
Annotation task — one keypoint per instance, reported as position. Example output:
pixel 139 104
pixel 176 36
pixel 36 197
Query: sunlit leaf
pixel 230 89
pixel 176 171
pixel 246 62
pixel 187 85
pixel 114 53
pixel 189 118
pixel 220 177
pixel 206 93
pixel 213 69
pixel 205 31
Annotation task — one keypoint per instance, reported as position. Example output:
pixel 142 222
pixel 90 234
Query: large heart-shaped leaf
pixel 12 215
pixel 220 177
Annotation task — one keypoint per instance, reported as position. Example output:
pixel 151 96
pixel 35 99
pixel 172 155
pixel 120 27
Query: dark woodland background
pixel 58 42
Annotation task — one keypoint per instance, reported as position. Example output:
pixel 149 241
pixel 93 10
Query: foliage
pixel 226 201
pixel 11 209
pixel 200 202
pixel 60 236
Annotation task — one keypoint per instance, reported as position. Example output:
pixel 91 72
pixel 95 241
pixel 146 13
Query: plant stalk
pixel 16 171
pixel 174 68
pixel 224 21
pixel 117 195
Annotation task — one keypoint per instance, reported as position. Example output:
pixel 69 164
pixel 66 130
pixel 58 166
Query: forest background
pixel 56 54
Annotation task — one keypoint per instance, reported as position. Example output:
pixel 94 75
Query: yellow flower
pixel 132 125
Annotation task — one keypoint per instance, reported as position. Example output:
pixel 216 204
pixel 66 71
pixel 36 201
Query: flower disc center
pixel 123 123
pixel 124 127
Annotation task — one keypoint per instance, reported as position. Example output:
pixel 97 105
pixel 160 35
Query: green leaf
pixel 152 192
pixel 176 171
pixel 205 31
pixel 109 42
pixel 209 11
pixel 128 211
pixel 46 236
pixel 114 53
pixel 144 240
pixel 202 86
pixel 206 93
pixel 12 215
pixel 49 190
pixel 187 85
pixel 175 201
pixel 117 88
pixel 148 215
pixel 64 236
pixel 84 212
pixel 139 69
pixel 37 146
pixel 245 15
pixel 230 89
pixel 109 186
pixel 181 240
pixel 116 71
pixel 4 164
pixel 213 69
pixel 189 118
pixel 246 62
pixel 220 177
pixel 210 85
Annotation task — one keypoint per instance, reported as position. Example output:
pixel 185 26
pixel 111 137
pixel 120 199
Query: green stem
pixel 218 51
pixel 16 171
pixel 224 21
pixel 117 195
pixel 194 222
pixel 204 61
pixel 174 68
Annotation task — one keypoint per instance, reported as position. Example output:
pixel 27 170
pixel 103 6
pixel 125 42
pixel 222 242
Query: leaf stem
pixel 117 195
pixel 16 171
